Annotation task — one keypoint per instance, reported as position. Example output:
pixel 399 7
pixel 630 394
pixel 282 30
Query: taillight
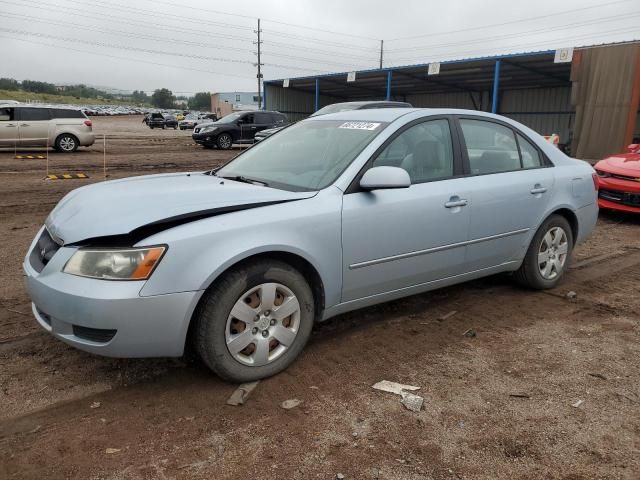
pixel 88 123
pixel 594 176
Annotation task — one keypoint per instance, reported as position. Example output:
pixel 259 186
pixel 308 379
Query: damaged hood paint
pixel 121 206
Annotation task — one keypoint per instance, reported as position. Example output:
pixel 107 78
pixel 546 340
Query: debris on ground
pixel 519 395
pixel 289 404
pixel 340 476
pixel 110 451
pixel 571 295
pixel 470 333
pixel 313 387
pixel 577 404
pixel 597 375
pixel 393 387
pixel 240 395
pixel 412 402
pixel 95 405
pixel 442 318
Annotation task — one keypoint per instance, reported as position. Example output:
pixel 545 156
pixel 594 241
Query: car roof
pixel 391 114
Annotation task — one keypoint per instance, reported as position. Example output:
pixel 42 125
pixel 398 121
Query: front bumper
pixel 108 318
pixel 207 138
pixel 618 194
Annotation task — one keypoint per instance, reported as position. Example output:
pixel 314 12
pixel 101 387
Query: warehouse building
pixel 588 96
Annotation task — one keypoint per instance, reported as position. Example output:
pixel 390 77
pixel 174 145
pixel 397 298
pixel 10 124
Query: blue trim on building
pixel 389 76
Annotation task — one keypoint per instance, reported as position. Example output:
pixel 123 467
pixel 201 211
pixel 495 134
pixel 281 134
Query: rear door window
pixel 66 113
pixel 33 114
pixel 491 147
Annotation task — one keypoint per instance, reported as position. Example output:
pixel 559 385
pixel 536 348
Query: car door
pixel 247 127
pixel 9 136
pixel 510 185
pixel 399 238
pixel 34 124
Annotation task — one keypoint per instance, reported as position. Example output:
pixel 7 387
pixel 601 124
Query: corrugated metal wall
pixel 295 104
pixel 450 100
pixel 545 110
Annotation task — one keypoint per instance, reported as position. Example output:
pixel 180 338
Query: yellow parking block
pixel 30 157
pixel 67 176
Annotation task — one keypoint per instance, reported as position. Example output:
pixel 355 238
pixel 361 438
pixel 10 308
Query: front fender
pixel 199 252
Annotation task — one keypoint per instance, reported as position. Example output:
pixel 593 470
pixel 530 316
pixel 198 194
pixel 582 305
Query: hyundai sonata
pixel 335 213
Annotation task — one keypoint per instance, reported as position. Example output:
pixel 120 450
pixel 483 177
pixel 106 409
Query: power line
pixel 524 45
pixel 520 34
pixel 125 58
pixel 123 47
pixel 155 26
pixel 528 19
pixel 324 42
pixel 141 36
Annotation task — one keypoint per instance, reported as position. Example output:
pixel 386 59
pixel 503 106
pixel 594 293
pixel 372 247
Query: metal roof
pixel 518 70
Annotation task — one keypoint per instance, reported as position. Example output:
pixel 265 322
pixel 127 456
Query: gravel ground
pixel 547 387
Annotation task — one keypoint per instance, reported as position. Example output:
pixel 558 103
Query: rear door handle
pixel 537 188
pixel 456 202
pixel 10 125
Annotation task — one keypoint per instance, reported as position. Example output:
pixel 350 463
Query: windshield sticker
pixel 360 125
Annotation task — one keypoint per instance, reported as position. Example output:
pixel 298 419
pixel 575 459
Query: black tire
pixel 151 127
pixel 163 127
pixel 216 304
pixel 175 127
pixel 224 141
pixel 66 143
pixel 529 274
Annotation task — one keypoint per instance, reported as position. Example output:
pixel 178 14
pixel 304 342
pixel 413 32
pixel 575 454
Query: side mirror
pixel 633 148
pixel 378 178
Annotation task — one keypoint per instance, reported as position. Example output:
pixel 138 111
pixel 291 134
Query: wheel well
pixel 571 218
pixel 66 133
pixel 303 266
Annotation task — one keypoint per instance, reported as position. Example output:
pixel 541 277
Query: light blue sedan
pixel 334 213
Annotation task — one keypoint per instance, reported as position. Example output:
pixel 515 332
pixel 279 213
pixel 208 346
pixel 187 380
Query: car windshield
pixel 232 117
pixel 307 156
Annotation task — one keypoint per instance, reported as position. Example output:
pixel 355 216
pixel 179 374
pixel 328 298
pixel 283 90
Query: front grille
pixel 98 335
pixel 44 250
pixel 624 198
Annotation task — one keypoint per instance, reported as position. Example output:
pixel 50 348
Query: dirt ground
pixel 549 387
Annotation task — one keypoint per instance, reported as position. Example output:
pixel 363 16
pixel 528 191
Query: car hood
pixel 623 164
pixel 120 207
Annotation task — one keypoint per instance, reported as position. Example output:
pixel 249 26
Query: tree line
pixel 161 98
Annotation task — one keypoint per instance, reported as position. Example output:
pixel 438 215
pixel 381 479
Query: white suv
pixel 65 129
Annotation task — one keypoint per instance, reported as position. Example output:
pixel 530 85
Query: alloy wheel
pixel 67 144
pixel 262 324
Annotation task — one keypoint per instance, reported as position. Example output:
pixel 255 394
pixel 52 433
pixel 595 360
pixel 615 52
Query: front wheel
pixel 224 141
pixel 254 321
pixel 548 255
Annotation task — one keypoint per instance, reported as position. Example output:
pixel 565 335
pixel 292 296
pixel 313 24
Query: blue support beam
pixel 496 87
pixel 389 75
pixel 316 105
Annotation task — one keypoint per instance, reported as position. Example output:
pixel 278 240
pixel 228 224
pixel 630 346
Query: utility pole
pixel 381 52
pixel 259 65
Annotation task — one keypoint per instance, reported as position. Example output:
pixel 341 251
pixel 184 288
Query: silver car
pixel 333 214
pixel 64 129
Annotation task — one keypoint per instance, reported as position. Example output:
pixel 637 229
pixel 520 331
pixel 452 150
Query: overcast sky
pixel 191 45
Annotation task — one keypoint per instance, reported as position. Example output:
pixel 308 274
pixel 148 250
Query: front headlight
pixel 603 174
pixel 207 129
pixel 120 264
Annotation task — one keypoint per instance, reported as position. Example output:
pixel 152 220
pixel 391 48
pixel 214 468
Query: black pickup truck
pixel 238 127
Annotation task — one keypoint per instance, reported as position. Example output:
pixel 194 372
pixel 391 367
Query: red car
pixel 619 181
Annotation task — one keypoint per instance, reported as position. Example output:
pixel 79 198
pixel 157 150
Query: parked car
pixel 191 120
pixel 619 181
pixel 340 107
pixel 333 214
pixel 239 127
pixel 161 120
pixel 64 129
pixel 170 121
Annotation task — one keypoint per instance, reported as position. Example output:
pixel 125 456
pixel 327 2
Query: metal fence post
pixel 496 88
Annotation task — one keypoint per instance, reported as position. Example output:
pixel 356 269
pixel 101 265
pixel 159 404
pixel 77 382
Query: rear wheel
pixel 66 143
pixel 224 141
pixel 254 321
pixel 548 255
